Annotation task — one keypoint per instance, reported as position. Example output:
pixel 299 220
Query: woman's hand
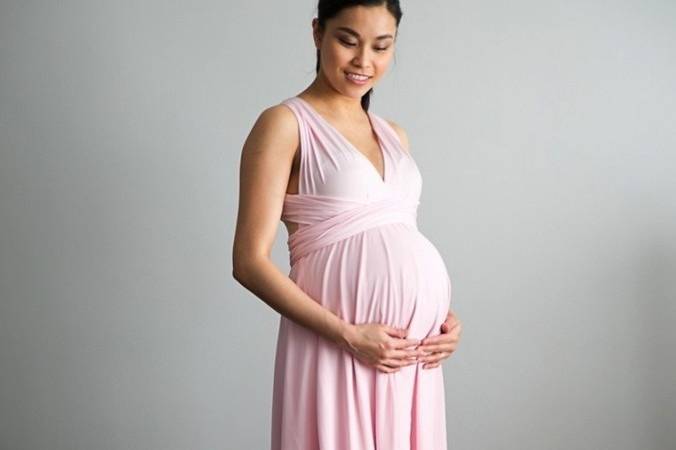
pixel 442 345
pixel 382 346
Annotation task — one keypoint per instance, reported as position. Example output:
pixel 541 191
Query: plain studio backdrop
pixel 545 133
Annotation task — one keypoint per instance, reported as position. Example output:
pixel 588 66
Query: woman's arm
pixel 265 167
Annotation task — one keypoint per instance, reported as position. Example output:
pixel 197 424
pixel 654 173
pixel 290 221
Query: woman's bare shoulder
pixel 275 130
pixel 403 137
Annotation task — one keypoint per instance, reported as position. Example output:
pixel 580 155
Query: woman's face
pixel 359 40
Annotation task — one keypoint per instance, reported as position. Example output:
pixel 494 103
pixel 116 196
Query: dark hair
pixel 327 9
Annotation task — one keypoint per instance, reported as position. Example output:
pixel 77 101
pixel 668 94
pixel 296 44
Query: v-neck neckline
pixel 384 178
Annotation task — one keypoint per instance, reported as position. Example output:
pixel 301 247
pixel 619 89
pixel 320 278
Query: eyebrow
pixel 355 34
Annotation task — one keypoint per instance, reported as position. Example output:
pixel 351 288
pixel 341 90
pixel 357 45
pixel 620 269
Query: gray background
pixel 544 132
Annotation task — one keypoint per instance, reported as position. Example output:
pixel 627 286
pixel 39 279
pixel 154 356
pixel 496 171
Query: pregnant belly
pixel 391 274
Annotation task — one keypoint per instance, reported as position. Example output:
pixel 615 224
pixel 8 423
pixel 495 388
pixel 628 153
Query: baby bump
pixel 389 274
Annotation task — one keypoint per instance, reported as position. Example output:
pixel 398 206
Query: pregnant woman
pixel 365 319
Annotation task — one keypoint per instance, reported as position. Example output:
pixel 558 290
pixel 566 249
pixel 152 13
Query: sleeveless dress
pixel 358 252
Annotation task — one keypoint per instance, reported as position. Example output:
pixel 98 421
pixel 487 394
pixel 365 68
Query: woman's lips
pixel 353 79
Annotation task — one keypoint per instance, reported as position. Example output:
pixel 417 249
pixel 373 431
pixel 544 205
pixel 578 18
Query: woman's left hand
pixel 442 345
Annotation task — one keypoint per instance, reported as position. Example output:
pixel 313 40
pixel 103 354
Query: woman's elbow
pixel 244 264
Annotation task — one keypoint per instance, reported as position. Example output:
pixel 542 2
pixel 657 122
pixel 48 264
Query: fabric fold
pixel 326 220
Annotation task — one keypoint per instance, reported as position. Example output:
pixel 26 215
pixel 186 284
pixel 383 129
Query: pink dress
pixel 358 252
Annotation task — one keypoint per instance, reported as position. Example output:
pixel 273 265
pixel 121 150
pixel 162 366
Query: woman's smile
pixel 356 78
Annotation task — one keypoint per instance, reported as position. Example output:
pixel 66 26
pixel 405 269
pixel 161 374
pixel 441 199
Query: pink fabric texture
pixel 359 253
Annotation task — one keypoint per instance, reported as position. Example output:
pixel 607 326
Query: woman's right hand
pixel 382 346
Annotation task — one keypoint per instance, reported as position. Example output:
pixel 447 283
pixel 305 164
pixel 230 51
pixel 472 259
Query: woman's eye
pixel 352 44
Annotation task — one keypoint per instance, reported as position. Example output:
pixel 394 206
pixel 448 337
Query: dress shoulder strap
pixel 390 135
pixel 310 165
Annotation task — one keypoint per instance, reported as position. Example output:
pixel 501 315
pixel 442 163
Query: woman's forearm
pixel 267 282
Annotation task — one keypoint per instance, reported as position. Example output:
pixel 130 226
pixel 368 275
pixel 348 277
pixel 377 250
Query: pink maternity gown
pixel 358 252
